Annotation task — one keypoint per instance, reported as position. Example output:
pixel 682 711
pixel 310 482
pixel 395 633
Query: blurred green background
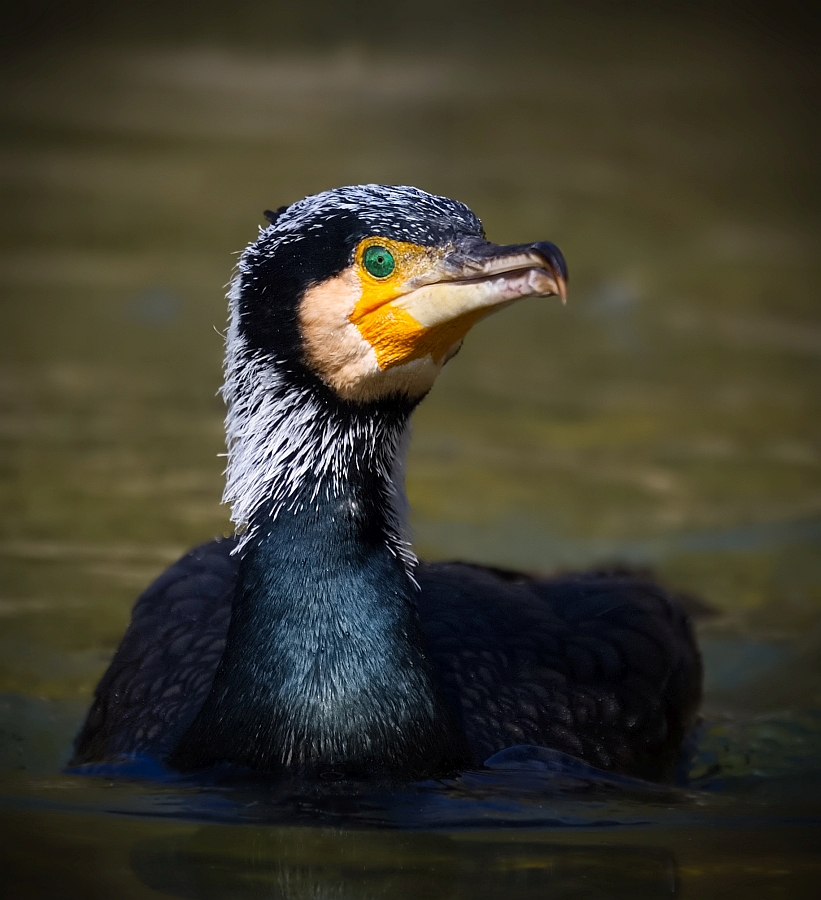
pixel 668 417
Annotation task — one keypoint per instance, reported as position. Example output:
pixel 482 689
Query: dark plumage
pixel 603 667
pixel 313 643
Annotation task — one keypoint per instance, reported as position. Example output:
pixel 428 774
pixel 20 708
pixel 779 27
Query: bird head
pixel 372 289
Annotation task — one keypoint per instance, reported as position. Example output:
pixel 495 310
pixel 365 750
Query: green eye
pixel 378 261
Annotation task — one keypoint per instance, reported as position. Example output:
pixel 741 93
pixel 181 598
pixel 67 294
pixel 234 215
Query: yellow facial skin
pixel 369 336
pixel 395 335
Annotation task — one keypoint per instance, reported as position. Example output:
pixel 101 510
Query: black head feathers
pixel 272 215
pixel 314 239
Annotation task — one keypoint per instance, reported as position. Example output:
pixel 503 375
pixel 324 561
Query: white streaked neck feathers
pixel 285 447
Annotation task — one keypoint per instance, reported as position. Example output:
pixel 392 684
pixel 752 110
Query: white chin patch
pixel 414 379
pixel 361 379
pixel 336 350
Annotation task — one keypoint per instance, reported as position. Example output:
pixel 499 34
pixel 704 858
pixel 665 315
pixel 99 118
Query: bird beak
pixel 474 278
pixel 447 291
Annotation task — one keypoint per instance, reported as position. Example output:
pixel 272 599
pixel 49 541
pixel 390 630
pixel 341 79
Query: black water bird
pixel 312 641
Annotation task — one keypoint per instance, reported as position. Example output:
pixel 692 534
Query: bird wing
pixel 603 667
pixel 163 669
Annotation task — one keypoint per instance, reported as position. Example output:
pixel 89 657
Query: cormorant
pixel 312 642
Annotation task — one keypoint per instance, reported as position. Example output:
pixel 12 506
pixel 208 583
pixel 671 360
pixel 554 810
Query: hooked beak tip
pixel 556 265
pixel 561 284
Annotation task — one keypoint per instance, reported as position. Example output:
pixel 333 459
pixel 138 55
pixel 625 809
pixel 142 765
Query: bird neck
pixel 292 443
pixel 324 666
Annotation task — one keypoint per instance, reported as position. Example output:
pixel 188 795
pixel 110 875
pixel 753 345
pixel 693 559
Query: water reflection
pixel 297 865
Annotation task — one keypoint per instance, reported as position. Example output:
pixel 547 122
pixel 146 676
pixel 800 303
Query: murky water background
pixel 669 417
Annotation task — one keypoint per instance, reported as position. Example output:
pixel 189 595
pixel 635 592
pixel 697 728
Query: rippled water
pixel 667 418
